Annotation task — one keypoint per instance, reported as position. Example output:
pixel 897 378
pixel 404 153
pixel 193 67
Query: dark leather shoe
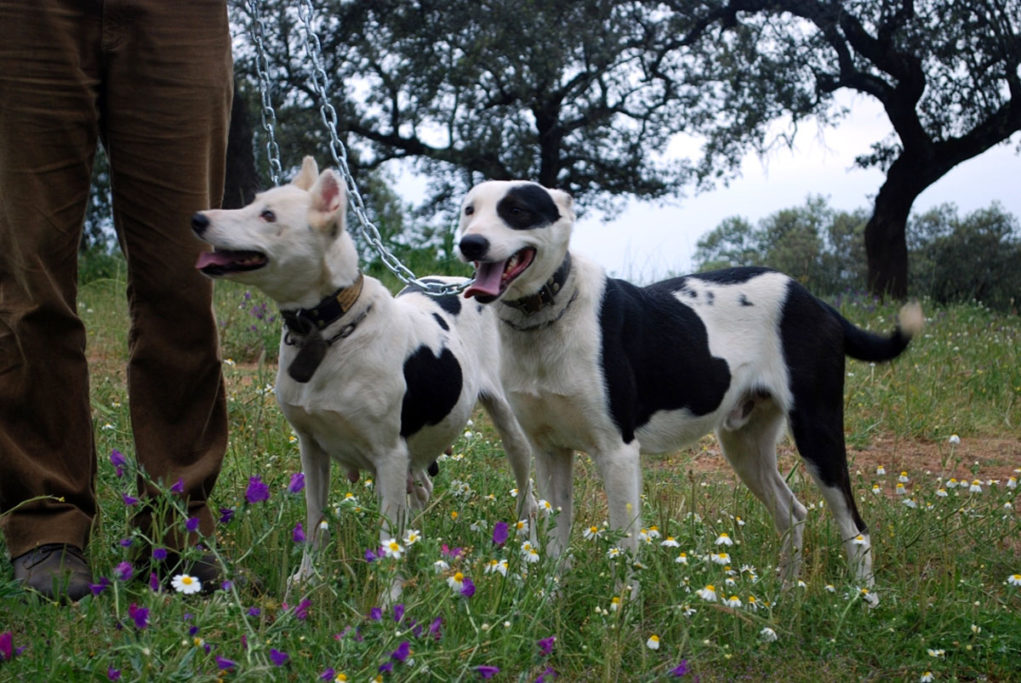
pixel 58 572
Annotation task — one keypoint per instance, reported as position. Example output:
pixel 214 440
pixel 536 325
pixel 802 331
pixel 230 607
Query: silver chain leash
pixel 313 50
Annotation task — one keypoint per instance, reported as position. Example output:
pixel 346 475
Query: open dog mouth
pixel 225 261
pixel 493 277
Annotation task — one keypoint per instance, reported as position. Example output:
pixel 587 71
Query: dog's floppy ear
pixel 564 202
pixel 308 174
pixel 329 201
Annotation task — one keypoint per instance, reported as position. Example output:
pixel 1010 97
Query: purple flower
pixel 129 500
pixel 159 554
pixel 118 460
pixel 192 630
pixel 680 670
pixel 226 514
pixel 154 582
pixel 546 645
pixel 257 491
pixel 548 673
pixel 222 663
pixel 254 611
pixel 6 646
pixel 452 553
pixel 398 612
pixel 500 533
pixel 467 587
pixel 487 671
pixel 297 483
pixel 140 615
pixel 370 556
pixel 113 674
pixel 125 543
pixel 301 609
pixel 124 571
pixel 328 674
pixel 376 614
pixel 277 657
pixel 178 487
pixel 402 651
pixel 99 587
pixel 386 668
pixel 436 628
pixel 299 533
pixel 192 525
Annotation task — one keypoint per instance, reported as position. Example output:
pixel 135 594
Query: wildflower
pixel 376 614
pixel 753 604
pixel 768 634
pixel 830 588
pixel 1014 579
pixel 976 486
pixel 487 671
pixel 6 646
pixel 500 533
pixel 113 674
pixel 680 670
pixel 547 673
pixel 724 539
pixel 653 642
pixel 124 571
pixel 653 532
pixel 876 489
pixel 187 584
pixel 398 613
pixel 546 645
pixel 954 440
pixel 402 652
pixel 936 652
pixel 436 628
pixel 498 566
pixel 277 657
pixel 441 566
pixel 297 483
pixel 682 558
pixel 530 552
pixel 456 582
pixel 545 507
pixel 298 535
pixel 119 462
pixel 976 629
pixel 732 601
pixel 192 525
pixel 139 615
pixel 468 588
pixel 592 533
pixel 669 542
pixel 257 491
pixel 952 483
pixel 904 478
pixel 178 487
pixel 301 609
pixel 900 490
pixel 392 548
pixel 521 527
pixel 613 552
pixel 154 582
pixel 941 492
pixel 411 537
pixel 129 500
pixel 226 515
pixel 720 558
pixel 99 587
pixel 880 470
pixel 614 604
pixel 926 677
pixel 222 663
pixel 708 593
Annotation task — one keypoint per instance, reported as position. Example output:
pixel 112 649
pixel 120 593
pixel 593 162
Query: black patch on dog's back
pixel 730 276
pixel 655 355
pixel 527 206
pixel 441 322
pixel 451 303
pixel 433 387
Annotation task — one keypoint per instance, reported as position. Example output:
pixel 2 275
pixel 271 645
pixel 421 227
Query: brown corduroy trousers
pixel 151 80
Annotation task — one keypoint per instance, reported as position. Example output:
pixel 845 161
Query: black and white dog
pixel 596 364
pixel 378 383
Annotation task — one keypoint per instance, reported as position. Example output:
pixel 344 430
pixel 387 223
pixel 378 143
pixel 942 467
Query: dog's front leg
pixel 315 464
pixel 553 472
pixel 519 453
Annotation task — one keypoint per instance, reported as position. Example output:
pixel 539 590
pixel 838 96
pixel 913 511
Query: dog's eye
pixel 469 210
pixel 268 216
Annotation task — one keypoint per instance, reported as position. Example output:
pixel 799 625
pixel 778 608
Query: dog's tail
pixel 868 346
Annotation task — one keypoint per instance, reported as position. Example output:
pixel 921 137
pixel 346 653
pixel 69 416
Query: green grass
pixel 942 566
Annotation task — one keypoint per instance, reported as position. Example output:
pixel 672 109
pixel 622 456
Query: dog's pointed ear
pixel 307 175
pixel 329 201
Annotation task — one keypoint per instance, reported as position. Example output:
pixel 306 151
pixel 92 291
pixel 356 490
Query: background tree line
pixel 585 96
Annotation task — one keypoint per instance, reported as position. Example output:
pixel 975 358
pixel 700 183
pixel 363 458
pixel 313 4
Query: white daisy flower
pixel 724 539
pixel 441 566
pixel 768 634
pixel 498 566
pixel 732 601
pixel 903 478
pixel 880 470
pixel 653 642
pixel 529 552
pixel 682 558
pixel 669 542
pixel 954 440
pixel 391 548
pixel 411 537
pixel 592 533
pixel 185 583
pixel 720 558
pixel 708 593
pixel 976 486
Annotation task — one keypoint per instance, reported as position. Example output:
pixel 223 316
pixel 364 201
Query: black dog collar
pixel 547 295
pixel 305 325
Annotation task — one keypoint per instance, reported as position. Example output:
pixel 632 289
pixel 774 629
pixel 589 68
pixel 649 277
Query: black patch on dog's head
pixel 528 206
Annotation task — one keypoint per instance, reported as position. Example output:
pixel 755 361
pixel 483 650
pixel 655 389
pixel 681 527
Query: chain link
pixel 320 81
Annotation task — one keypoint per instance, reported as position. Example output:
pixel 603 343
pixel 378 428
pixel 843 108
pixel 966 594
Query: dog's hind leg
pixel 818 431
pixel 553 472
pixel 751 451
pixel 315 465
pixel 519 452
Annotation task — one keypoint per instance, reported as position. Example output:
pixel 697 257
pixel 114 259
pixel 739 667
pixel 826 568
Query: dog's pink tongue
pixel 487 280
pixel 212 258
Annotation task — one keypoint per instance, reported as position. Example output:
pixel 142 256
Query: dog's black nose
pixel 474 247
pixel 199 223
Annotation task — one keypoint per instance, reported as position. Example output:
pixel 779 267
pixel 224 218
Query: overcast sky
pixel 648 242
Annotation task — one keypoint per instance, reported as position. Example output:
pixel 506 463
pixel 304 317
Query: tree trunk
pixel 242 179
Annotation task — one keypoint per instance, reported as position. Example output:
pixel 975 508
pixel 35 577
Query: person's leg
pixel 48 128
pixel 165 118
